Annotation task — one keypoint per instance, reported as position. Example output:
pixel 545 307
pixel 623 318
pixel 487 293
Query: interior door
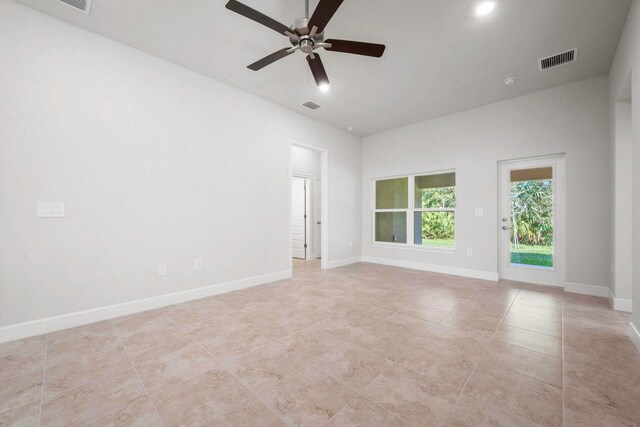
pixel 298 217
pixel 532 221
pixel 317 216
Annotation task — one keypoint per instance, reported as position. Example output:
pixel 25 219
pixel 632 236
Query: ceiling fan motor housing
pixel 306 42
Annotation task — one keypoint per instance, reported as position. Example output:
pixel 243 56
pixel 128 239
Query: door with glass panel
pixel 531 223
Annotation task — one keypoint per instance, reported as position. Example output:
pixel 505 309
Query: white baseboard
pixel 455 271
pixel 620 304
pixel 56 323
pixel 592 290
pixel 343 262
pixel 634 334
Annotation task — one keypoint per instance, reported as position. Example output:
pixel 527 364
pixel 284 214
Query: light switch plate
pixel 197 264
pixel 51 209
pixel 469 251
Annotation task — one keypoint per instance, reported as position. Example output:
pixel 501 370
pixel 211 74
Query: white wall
pixel 622 200
pixel 155 164
pixel 571 119
pixel 627 64
pixel 307 162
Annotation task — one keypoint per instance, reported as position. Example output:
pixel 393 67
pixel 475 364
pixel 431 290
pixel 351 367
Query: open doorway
pixel 308 207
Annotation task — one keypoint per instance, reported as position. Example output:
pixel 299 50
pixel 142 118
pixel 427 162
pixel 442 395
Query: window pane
pixel 391 227
pixel 532 217
pixel 434 229
pixel 392 193
pixel 435 191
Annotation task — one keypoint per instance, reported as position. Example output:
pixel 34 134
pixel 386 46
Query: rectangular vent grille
pixel 83 5
pixel 311 105
pixel 559 59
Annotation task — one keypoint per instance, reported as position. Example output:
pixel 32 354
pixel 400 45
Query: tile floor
pixel 361 345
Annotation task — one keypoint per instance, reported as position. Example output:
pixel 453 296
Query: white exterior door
pixel 299 217
pixel 532 221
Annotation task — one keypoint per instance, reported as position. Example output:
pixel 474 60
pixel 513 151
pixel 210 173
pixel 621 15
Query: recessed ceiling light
pixel 324 87
pixel 510 81
pixel 351 128
pixel 485 8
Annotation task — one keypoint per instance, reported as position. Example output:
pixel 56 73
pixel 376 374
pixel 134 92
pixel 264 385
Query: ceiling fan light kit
pixel 307 35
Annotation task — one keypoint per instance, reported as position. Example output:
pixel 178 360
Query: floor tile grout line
pixel 482 357
pixel 359 393
pixel 388 410
pixel 44 372
pixel 311 364
pixel 505 411
pixel 346 404
pixel 137 375
pixel 78 386
pixel 307 364
pixel 527 348
pixel 525 376
pixel 392 364
pixel 223 366
pixel 488 345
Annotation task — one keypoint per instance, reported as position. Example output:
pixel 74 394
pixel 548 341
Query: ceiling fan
pixel 307 35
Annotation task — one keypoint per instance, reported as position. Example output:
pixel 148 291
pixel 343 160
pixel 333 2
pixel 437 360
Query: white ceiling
pixel 440 57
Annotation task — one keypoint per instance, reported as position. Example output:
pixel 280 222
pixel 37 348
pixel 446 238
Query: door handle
pixel 504 227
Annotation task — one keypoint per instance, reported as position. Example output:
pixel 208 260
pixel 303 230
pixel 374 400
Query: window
pixel 435 210
pixel 417 210
pixel 391 210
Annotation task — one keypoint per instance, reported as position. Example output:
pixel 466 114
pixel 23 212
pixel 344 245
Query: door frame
pixel 317 204
pixel 536 274
pixel 324 200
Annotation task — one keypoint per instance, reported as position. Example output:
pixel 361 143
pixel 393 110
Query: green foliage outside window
pixel 532 213
pixel 438 225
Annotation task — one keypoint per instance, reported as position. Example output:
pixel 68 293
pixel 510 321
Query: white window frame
pixel 410 213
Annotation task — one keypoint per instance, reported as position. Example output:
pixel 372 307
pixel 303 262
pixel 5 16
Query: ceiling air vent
pixel 558 59
pixel 83 5
pixel 311 105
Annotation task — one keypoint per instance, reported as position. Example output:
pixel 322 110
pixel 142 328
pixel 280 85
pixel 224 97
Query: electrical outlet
pixel 479 212
pixel 162 269
pixel 197 264
pixel 469 251
pixel 51 209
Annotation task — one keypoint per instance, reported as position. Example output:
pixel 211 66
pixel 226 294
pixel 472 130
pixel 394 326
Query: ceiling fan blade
pixel 356 48
pixel 256 16
pixel 317 69
pixel 270 59
pixel 323 13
